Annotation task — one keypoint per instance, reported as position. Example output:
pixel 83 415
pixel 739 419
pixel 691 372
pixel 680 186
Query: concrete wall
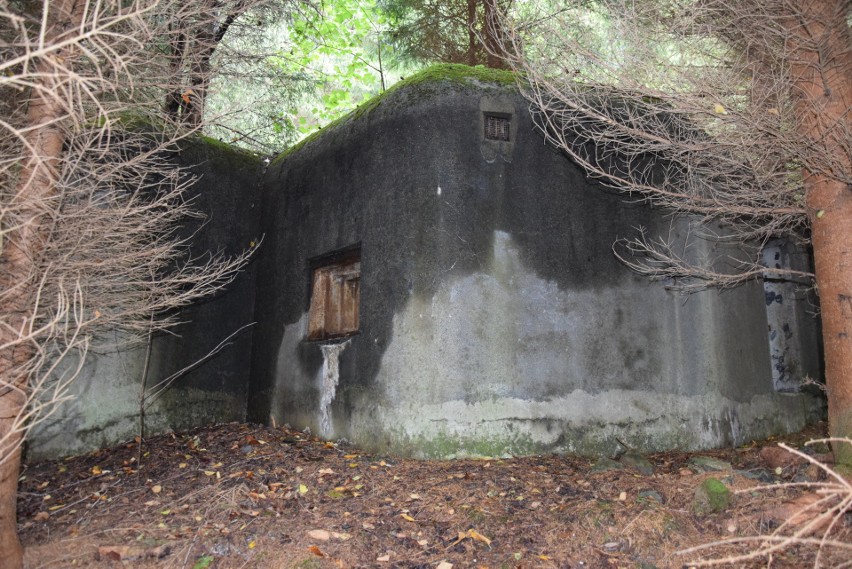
pixel 791 311
pixel 105 409
pixel 494 317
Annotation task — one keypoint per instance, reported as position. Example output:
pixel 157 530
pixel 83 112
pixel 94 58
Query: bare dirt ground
pixel 239 495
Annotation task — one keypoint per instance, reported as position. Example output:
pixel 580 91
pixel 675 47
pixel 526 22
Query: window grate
pixel 497 128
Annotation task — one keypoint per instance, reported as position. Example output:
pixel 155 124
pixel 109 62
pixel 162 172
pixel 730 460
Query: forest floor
pixel 241 495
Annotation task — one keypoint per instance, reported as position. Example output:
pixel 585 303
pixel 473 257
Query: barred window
pixel 497 127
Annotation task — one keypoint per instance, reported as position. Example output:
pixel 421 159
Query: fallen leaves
pixel 474 535
pixel 299 498
pixel 801 511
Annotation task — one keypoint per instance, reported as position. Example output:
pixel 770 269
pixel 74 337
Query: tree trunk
pixel 471 32
pixel 11 403
pixel 35 190
pixel 174 89
pixel 822 70
pixel 492 32
pixel 191 51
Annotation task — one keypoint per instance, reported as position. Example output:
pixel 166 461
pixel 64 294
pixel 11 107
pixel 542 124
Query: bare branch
pixel 809 528
pixel 690 107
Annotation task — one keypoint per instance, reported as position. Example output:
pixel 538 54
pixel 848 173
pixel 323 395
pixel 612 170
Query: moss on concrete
pixel 429 80
pixel 196 149
pixel 447 446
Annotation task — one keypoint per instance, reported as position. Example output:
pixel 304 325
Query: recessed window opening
pixel 335 296
pixel 497 127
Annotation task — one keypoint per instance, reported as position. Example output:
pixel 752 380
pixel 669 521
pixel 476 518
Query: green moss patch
pixel 712 496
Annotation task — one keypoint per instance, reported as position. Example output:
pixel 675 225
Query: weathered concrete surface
pixel 791 308
pixel 105 409
pixel 494 317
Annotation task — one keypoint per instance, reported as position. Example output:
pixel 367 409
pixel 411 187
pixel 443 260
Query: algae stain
pixel 329 378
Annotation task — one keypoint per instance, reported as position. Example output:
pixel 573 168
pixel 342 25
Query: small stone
pixel 813 472
pixel 711 496
pixel 708 464
pixel 605 464
pixel 319 535
pixel 777 457
pixel 685 472
pixel 383 558
pixel 759 474
pixel 638 462
pixel 444 565
pixel 651 495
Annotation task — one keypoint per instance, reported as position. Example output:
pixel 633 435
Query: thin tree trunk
pixel 193 47
pixel 491 32
pixel 11 403
pixel 822 68
pixel 471 32
pixel 177 47
pixel 36 189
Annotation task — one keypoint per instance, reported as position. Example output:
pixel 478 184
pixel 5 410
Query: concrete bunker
pixel 437 282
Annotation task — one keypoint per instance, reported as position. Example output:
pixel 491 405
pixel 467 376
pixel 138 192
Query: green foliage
pixel 249 95
pixel 339 48
pixel 442 31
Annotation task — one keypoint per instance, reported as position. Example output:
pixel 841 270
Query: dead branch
pixel 821 519
pixel 689 108
pixel 91 204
